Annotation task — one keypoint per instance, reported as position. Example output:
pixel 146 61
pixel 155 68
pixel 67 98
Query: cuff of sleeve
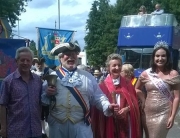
pixel 45 99
pixel 107 111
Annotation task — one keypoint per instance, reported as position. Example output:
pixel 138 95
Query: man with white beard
pixel 75 91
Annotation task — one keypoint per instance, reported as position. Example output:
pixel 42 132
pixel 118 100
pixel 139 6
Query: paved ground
pixel 175 130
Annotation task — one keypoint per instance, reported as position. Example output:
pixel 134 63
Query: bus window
pixel 146 61
pixel 137 57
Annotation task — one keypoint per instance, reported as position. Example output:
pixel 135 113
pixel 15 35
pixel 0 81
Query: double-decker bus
pixel 139 33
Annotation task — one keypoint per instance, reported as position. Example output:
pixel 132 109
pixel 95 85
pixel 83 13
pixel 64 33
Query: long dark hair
pixel 168 64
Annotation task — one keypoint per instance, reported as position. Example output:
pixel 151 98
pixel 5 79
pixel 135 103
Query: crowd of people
pixel 106 103
pixel 78 101
pixel 158 10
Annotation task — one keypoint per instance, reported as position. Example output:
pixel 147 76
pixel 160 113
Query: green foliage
pixel 32 46
pixel 132 6
pixel 104 22
pixel 11 9
pixel 100 38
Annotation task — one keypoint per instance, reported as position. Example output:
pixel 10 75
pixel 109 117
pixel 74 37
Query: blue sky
pixel 44 13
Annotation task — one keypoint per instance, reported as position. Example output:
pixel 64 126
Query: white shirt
pixel 161 11
pixel 116 81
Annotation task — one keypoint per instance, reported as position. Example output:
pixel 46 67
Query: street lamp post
pixel 18 28
pixel 59 12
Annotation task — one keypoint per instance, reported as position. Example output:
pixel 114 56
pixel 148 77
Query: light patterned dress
pixel 158 107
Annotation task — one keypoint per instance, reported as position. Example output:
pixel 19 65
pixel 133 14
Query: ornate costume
pixel 67 118
pixel 111 127
pixel 158 106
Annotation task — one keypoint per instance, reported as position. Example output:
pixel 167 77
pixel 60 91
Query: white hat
pixel 96 72
pixel 63 47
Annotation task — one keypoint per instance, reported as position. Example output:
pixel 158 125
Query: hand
pixel 114 107
pixel 51 90
pixel 170 122
pixel 122 113
pixel 3 133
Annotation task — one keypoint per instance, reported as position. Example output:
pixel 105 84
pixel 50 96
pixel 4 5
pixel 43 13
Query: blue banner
pixel 8 49
pixel 48 39
pixel 144 36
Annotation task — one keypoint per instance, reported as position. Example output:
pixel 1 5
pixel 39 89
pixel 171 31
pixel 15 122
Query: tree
pixel 11 9
pixel 93 31
pixel 132 6
pixel 100 41
pixel 32 46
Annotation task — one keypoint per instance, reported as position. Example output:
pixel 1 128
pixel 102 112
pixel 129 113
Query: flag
pixel 5 28
pixel 48 39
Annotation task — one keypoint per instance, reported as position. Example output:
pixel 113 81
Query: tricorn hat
pixel 39 60
pixel 64 47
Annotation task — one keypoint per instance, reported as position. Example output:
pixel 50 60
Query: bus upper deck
pixel 139 33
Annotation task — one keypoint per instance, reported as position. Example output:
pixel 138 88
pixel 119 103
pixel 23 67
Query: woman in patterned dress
pixel 162 86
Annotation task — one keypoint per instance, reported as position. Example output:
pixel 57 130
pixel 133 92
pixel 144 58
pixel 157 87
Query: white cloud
pixel 41 3
pixel 44 13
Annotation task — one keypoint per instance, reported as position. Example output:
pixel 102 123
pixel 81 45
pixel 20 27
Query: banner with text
pixel 48 39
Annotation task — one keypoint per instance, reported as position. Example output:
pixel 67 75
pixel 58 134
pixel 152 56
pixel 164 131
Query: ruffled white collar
pixel 71 79
pixel 116 81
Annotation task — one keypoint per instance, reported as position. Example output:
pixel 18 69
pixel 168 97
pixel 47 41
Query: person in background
pixel 41 70
pixel 20 99
pixel 104 72
pixel 158 10
pixel 75 91
pixel 125 122
pixel 142 10
pixel 98 76
pixel 128 72
pixel 88 69
pixel 92 68
pixel 163 87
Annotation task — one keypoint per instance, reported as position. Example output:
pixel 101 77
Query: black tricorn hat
pixel 64 47
pixel 39 60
